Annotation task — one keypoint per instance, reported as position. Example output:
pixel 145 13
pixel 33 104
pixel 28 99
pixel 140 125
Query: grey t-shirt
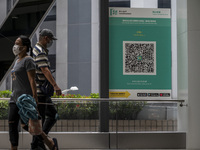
pixel 20 81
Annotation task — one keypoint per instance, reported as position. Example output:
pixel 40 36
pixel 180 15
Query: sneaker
pixel 41 146
pixel 55 144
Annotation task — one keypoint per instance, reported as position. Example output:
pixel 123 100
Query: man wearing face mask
pixel 40 56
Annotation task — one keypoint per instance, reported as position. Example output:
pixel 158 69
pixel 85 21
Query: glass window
pixel 119 3
pixel 22 20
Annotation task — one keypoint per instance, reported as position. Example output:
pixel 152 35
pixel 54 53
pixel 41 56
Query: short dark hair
pixel 26 42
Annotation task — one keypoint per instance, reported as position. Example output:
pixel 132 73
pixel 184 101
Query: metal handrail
pixel 109 99
pixel 112 100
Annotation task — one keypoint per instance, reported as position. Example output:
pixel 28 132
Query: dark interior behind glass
pixel 23 19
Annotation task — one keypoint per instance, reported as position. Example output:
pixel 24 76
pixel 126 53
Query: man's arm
pixel 48 75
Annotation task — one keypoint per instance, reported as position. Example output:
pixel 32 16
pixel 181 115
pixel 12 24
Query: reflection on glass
pixel 83 116
pixel 23 19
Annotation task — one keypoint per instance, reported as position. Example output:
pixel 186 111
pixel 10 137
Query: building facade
pixel 75 56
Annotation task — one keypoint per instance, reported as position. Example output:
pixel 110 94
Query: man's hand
pixel 57 89
pixel 48 75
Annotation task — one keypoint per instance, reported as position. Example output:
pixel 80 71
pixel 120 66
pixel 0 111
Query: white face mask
pixel 49 44
pixel 16 50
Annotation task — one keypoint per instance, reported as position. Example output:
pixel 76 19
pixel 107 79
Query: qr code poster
pixel 139 57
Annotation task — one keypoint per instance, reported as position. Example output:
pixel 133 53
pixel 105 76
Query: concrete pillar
pixel 182 63
pixel 193 30
pixel 174 48
pixel 95 46
pixel 61 43
pixel 188 69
